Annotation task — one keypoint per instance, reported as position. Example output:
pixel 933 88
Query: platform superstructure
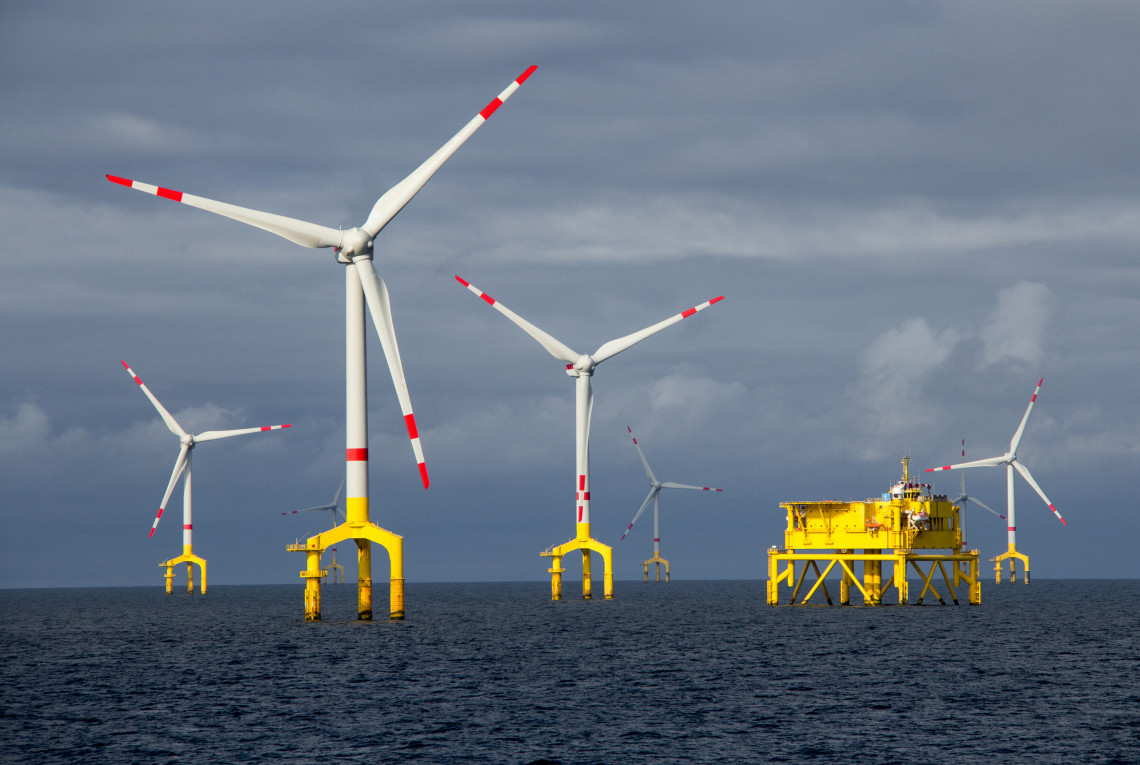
pixel 909 527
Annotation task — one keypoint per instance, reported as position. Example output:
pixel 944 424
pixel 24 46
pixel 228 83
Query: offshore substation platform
pixel 908 526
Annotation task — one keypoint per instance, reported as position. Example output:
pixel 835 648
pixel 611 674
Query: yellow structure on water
pixel 907 527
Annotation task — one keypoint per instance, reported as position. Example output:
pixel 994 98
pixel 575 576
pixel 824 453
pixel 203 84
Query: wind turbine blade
pixel 648 472
pixel 310 509
pixel 984 506
pixel 554 347
pixel 614 347
pixel 214 435
pixel 302 232
pixel 399 195
pixel 645 504
pixel 671 485
pixel 990 462
pixel 336 497
pixel 167 417
pixel 1021 428
pixel 1025 474
pixel 376 294
pixel 179 466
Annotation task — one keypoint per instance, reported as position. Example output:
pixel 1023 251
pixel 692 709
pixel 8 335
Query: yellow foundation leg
pixel 586 583
pixel 645 571
pixel 1012 555
pixel 312 575
pixel 364 580
pixel 169 578
pixel 189 578
pixel 899 575
pixel 556 577
pixel 773 580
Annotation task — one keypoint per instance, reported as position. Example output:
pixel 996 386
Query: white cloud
pixel 1016 328
pixel 893 371
pixel 26 431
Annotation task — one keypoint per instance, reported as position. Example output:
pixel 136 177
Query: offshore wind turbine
pixel 1011 463
pixel 334 508
pixel 581 367
pixel 363 286
pixel 655 488
pixel 963 498
pixel 182 468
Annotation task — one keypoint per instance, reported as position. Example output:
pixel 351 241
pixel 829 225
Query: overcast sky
pixel 913 210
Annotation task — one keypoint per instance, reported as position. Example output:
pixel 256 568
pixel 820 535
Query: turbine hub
pixel 355 242
pixel 584 365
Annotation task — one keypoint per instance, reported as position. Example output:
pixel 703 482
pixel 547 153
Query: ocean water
pixel 686 672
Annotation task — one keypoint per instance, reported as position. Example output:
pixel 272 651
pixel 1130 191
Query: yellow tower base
pixel 364 533
pixel 191 560
pixel 586 544
pixel 1011 555
pixel 658 560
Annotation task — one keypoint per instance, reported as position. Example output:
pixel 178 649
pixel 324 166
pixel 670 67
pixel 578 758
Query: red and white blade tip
pixel 702 306
pixel 158 191
pixel 490 108
pixel 154 525
pixel 931 470
pixel 414 435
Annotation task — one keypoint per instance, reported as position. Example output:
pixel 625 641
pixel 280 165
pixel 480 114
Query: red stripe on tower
pixel 357 455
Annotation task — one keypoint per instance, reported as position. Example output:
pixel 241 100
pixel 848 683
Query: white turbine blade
pixel 336 497
pixel 984 506
pixel 179 466
pixel 992 461
pixel 310 509
pixel 167 417
pixel 399 195
pixel 302 232
pixel 648 472
pixel 1021 428
pixel 614 347
pixel 671 485
pixel 214 435
pixel 376 294
pixel 645 504
pixel 554 347
pixel 1025 474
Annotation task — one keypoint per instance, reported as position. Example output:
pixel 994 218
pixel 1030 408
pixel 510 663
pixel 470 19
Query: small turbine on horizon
pixel 654 492
pixel 333 507
pixel 182 468
pixel 1009 459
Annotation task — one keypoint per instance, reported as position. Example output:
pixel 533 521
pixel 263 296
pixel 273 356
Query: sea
pixel 684 672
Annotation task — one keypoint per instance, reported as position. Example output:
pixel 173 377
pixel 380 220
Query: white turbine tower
pixel 655 488
pixel 334 508
pixel 1009 459
pixel 581 367
pixel 354 247
pixel 182 467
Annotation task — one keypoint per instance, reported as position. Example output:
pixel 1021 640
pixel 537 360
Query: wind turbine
pixel 963 498
pixel 334 507
pixel 654 490
pixel 581 367
pixel 182 468
pixel 354 247
pixel 1009 459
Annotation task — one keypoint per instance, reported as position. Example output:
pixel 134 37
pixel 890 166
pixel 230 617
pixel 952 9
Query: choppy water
pixel 688 672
